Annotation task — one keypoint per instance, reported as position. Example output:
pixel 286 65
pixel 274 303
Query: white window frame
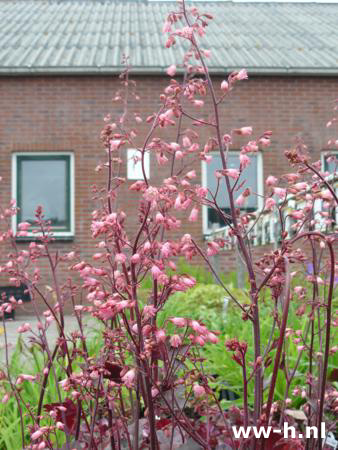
pixel 260 186
pixel 57 234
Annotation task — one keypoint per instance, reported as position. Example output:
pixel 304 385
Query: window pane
pixel 43 182
pixel 134 169
pixel 330 166
pixel 249 174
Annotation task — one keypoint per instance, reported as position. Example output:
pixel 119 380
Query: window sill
pixel 68 238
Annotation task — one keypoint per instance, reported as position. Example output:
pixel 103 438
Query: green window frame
pixel 60 228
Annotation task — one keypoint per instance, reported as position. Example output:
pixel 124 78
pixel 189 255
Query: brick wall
pixel 66 114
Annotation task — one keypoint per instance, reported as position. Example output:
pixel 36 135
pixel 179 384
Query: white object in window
pixel 44 179
pixel 134 165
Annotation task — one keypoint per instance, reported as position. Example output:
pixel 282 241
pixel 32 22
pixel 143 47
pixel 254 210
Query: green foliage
pixel 203 302
pixel 201 275
pixel 219 362
pixel 28 359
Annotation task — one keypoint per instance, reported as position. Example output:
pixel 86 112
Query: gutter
pixel 158 70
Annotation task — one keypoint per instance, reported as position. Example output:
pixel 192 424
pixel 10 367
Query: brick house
pixel 59 61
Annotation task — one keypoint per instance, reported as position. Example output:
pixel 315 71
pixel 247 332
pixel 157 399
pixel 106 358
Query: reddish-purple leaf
pixel 112 372
pixel 67 417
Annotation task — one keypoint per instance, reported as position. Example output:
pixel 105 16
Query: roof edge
pixel 157 70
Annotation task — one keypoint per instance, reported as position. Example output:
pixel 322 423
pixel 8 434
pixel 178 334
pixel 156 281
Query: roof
pixel 91 36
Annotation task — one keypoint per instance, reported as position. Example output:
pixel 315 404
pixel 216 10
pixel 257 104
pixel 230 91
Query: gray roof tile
pixel 91 36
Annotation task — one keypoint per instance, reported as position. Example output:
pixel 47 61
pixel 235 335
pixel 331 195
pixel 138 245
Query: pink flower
pixel 159 218
pixel 213 248
pixel 171 71
pixel 174 146
pixel 115 144
pixel 227 138
pixel 191 174
pixel 186 141
pixel 198 103
pixel 264 142
pixel 170 41
pixel 280 192
pixel 300 186
pixel 128 378
pixel 160 335
pixel 196 326
pixel 161 159
pixel 201 192
pixel 199 340
pixel 244 160
pixel 298 289
pixel 166 27
pixel 120 258
pixel 23 328
pixel 244 131
pixel 148 311
pixel 224 86
pixel 179 321
pixel 270 204
pixel 297 215
pixel 193 215
pixel 5 398
pixel 37 434
pixel 251 147
pixel 240 200
pixel 166 250
pixel 137 186
pixel 135 258
pixel 326 195
pixel 188 281
pixel 178 202
pixel 175 341
pixel 24 377
pixel 271 181
pixel 23 226
pixel 146 246
pixel 241 75
pixel 151 194
pixel 155 272
pixel 199 390
pixel 232 173
pixel 212 338
pixel 291 177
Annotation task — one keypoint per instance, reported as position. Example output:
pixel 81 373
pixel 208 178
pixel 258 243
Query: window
pixel 134 164
pixel 330 165
pixel 253 176
pixel 47 180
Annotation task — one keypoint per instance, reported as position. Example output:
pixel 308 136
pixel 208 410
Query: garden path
pixel 12 333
